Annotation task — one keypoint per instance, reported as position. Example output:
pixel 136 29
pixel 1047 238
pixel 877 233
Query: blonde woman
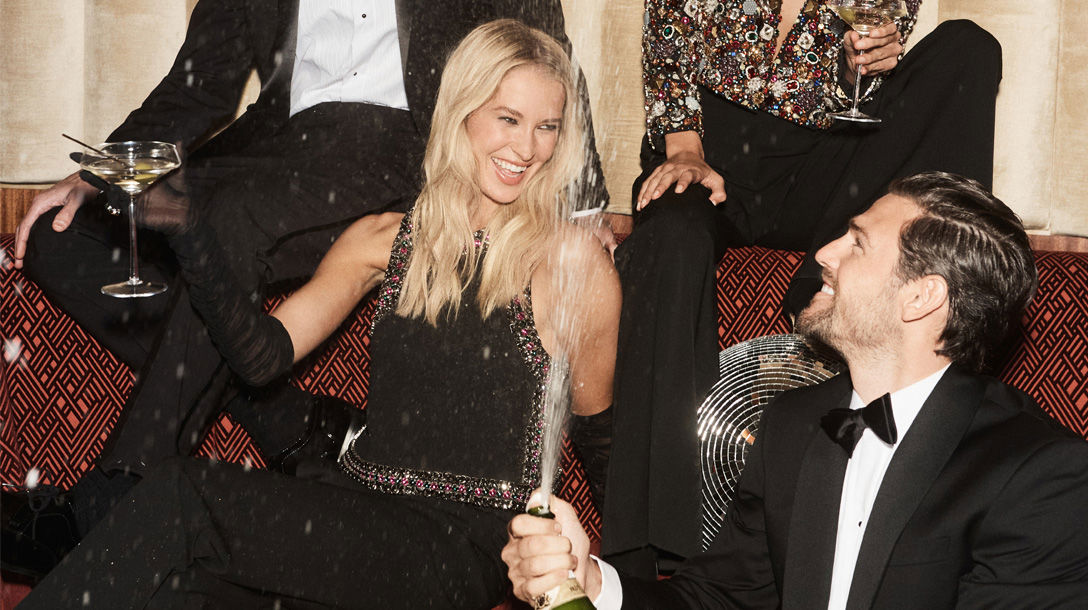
pixel 416 514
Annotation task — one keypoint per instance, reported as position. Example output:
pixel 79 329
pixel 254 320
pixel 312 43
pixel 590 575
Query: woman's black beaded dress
pixel 454 410
pixel 452 449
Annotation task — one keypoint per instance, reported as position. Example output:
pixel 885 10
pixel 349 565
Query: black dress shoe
pixel 331 425
pixel 38 530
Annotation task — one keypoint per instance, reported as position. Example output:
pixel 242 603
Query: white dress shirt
pixel 347 51
pixel 864 474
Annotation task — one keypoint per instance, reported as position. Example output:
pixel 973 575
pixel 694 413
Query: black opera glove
pixel 592 437
pixel 255 345
pixel 165 206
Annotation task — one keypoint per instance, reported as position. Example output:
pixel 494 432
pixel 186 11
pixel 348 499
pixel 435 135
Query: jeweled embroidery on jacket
pixel 728 47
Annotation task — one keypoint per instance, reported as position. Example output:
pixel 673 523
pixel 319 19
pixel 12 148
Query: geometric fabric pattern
pixel 61 393
pixel 751 283
pixel 1050 359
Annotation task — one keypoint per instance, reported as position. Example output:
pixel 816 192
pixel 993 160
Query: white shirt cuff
pixel 611 595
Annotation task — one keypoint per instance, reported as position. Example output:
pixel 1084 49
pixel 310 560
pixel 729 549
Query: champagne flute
pixel 864 16
pixel 132 166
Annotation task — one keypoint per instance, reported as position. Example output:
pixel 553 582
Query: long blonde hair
pixel 443 257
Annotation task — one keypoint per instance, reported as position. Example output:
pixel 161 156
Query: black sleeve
pixel 204 86
pixel 592 437
pixel 255 345
pixel 1031 549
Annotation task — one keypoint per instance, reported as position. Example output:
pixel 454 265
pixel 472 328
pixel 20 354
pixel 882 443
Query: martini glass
pixel 132 166
pixel 864 16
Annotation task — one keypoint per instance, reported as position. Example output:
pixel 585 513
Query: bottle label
pixel 567 591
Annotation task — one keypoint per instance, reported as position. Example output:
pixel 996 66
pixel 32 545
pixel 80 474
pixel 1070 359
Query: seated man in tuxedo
pixel 338 131
pixel 948 489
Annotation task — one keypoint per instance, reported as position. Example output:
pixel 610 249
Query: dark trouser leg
pixel 938 114
pixel 192 520
pixel 665 365
pixel 71 266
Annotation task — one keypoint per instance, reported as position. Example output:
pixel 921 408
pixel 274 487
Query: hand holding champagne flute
pixel 863 16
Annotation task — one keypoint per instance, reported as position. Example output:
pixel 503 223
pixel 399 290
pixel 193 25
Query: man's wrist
pixel 593 579
pixel 609 592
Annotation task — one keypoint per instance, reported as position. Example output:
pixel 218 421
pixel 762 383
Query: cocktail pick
pixel 92 148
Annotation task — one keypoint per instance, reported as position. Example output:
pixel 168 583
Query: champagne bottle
pixel 568 595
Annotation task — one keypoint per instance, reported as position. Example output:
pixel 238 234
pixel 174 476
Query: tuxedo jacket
pixel 370 171
pixel 227 39
pixel 984 505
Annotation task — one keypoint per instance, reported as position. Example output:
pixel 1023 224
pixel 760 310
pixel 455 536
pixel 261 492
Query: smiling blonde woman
pixel 415 513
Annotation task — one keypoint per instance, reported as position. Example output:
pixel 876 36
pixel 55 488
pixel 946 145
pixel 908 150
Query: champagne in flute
pixel 132 166
pixel 863 19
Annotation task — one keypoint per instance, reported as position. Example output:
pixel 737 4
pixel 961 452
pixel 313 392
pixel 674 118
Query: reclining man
pixel 948 489
pixel 338 131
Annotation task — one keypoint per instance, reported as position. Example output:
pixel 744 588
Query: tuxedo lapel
pixel 922 453
pixel 278 85
pixel 806 581
pixel 404 32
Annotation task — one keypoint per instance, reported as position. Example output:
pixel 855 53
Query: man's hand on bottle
pixel 540 553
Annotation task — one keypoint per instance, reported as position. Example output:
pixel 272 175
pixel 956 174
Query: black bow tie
pixel 845 426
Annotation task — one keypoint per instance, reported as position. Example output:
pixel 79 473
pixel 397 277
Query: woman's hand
pixel 684 165
pixel 882 51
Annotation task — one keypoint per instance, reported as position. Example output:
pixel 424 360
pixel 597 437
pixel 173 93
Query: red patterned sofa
pixel 63 392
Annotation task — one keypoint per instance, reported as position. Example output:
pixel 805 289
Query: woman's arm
pixel 259 347
pixel 582 279
pixel 672 51
pixel 884 48
pixel 684 165
pixel 354 266
pixel 578 287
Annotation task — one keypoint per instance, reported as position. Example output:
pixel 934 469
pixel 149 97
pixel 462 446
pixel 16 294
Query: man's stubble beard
pixel 868 329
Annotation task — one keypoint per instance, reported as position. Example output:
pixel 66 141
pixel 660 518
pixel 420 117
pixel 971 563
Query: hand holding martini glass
pixel 132 166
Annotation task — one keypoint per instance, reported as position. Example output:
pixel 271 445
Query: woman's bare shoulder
pixel 578 247
pixel 368 240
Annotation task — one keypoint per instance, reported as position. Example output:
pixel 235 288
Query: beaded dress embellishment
pixel 478 491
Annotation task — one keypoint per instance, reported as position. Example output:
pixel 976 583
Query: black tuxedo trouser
pixel 276 202
pixel 199 534
pixel 788 187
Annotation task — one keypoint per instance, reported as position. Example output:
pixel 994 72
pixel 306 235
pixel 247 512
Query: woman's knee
pixel 969 43
pixel 686 217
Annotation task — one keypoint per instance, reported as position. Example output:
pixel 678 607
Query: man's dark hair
pixel 978 245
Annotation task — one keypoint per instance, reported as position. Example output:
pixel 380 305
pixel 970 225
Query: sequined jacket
pixel 727 46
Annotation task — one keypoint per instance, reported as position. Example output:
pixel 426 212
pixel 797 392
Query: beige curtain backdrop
pixel 79 66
